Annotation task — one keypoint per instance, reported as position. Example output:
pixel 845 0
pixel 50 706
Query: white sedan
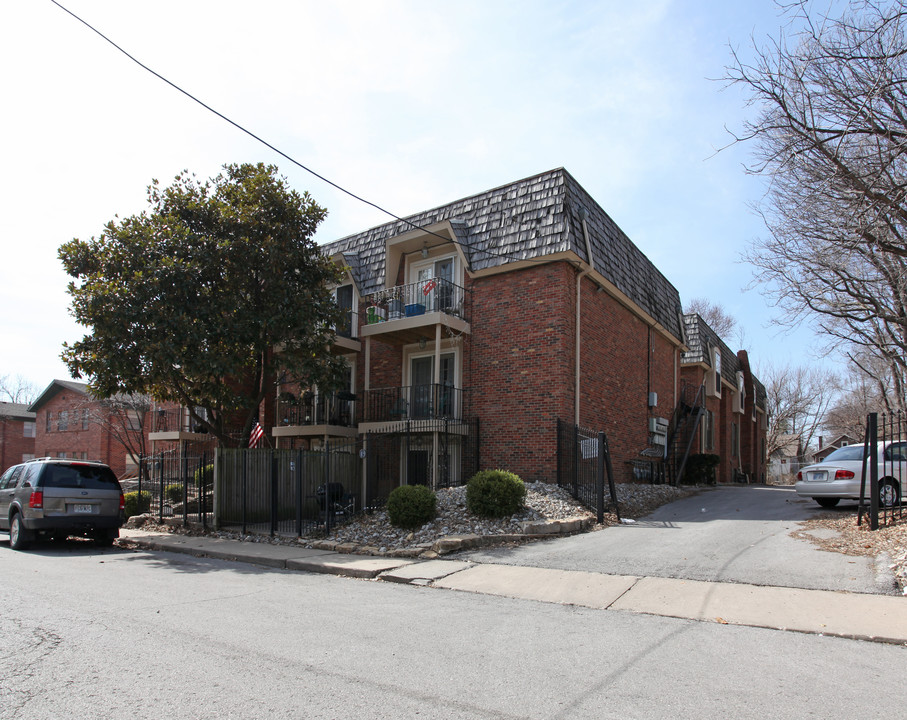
pixel 838 476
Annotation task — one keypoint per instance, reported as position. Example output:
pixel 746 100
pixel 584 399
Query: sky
pixel 409 104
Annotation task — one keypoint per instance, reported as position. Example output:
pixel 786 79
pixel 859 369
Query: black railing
pixel 175 420
pixel 287 492
pixel 413 299
pixel 584 466
pixel 337 408
pixel 434 401
pixel 884 471
pixel 176 485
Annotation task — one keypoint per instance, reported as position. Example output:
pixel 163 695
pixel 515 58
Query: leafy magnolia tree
pixel 830 137
pixel 192 300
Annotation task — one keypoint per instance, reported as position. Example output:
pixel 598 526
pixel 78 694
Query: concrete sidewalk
pixel 879 618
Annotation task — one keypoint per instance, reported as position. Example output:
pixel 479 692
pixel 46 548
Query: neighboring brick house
pixel 17 434
pixel 511 309
pixel 734 421
pixel 71 424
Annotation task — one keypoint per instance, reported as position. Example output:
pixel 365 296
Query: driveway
pixel 728 534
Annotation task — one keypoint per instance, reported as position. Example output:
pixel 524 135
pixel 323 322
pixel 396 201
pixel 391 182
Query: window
pixel 438 279
pixel 715 374
pixel 708 437
pixel 63 421
pixel 740 395
pixel 47 421
pixel 27 456
pixel 133 422
pixel 344 297
pixel 85 418
pixel 28 429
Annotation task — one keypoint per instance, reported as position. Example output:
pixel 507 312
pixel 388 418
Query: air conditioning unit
pixel 658 426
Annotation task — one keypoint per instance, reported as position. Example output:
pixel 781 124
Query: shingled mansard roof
pixel 700 337
pixel 527 219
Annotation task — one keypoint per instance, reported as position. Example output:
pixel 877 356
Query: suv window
pixel 30 476
pixel 79 476
pixel 10 477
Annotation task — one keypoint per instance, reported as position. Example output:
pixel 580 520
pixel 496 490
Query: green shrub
pixel 495 493
pixel 204 476
pixel 411 506
pixel 136 505
pixel 174 493
pixel 700 469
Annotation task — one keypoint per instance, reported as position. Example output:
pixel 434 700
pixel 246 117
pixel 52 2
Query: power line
pixel 239 127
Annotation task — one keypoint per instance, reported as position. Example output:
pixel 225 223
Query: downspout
pixel 583 214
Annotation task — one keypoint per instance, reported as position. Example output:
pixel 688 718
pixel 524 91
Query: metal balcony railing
pixel 175 420
pixel 337 408
pixel 413 299
pixel 413 402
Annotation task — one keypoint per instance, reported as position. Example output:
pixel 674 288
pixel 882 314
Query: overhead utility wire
pixel 277 150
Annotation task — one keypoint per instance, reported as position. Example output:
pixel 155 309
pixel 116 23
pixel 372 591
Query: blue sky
pixel 409 104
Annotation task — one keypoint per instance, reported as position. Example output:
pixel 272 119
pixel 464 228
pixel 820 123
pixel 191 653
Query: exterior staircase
pixel 682 431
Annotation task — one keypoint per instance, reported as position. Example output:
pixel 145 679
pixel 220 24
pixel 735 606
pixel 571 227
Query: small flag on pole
pixel 256 435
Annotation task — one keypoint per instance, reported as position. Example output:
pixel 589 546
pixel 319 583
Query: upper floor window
pixel 63 421
pixel 740 394
pixel 86 418
pixel 715 375
pixel 28 429
pixel 48 419
pixel 438 281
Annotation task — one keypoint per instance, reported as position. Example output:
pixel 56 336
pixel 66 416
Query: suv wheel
pixel 19 537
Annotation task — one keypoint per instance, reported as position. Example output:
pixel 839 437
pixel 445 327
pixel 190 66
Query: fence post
pixel 298 492
pixel 575 460
pixel 600 480
pixel 161 479
pixel 273 493
pixel 873 471
pixel 184 461
pixel 202 495
pixel 244 459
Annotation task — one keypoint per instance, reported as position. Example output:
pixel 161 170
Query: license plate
pixel 82 508
pixel 816 476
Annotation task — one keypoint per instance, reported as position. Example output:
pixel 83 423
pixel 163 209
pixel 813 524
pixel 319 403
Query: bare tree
pixel 17 390
pixel 717 318
pixel 125 419
pixel 830 137
pixel 797 400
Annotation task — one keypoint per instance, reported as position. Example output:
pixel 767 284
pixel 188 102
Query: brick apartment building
pixel 733 422
pixel 500 314
pixel 17 434
pixel 70 423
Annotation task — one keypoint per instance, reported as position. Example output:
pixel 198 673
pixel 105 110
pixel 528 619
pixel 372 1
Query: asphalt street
pixel 89 633
pixel 728 534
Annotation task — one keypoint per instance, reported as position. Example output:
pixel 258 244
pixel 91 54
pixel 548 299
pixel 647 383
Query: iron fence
pixel 176 484
pixel 884 470
pixel 583 464
pixel 435 294
pixel 287 492
pixel 336 408
pixel 413 402
pixel 437 453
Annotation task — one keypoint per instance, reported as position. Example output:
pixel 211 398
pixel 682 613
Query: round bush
pixel 174 493
pixel 495 493
pixel 411 506
pixel 135 505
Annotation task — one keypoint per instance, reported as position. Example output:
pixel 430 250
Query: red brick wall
pixel 13 443
pixel 92 443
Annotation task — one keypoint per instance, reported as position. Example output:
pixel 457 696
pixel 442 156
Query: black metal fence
pixel 438 453
pixel 884 471
pixel 583 465
pixel 287 492
pixel 176 484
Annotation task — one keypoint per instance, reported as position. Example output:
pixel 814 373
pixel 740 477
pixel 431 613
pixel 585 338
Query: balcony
pixel 345 338
pixel 408 313
pixel 175 424
pixel 332 414
pixel 423 404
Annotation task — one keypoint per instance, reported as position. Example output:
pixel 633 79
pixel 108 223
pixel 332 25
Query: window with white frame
pixel 437 280
pixel 715 375
pixel 740 394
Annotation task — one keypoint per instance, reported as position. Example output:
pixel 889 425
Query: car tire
pixel 827 502
pixel 889 496
pixel 19 537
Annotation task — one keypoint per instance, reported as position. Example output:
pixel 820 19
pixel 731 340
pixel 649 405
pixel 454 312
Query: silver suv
pixel 57 497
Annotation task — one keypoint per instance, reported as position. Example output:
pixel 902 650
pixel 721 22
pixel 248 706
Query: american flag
pixel 256 435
